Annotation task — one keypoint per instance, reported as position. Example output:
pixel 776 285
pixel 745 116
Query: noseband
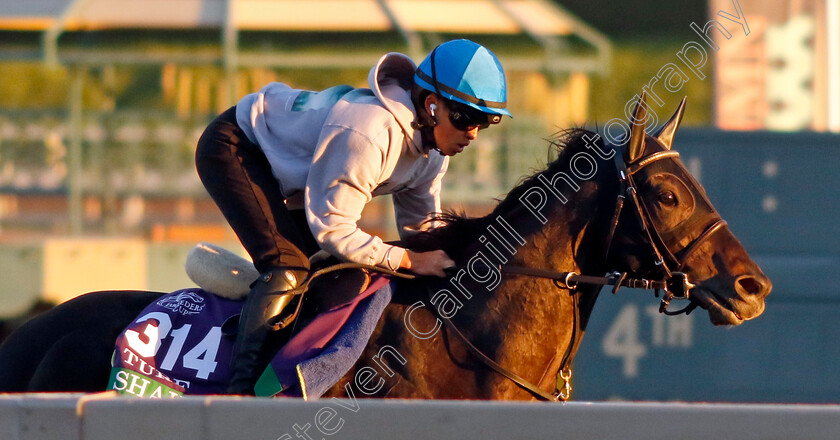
pixel 676 282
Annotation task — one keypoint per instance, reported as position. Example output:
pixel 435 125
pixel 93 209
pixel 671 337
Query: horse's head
pixel 671 226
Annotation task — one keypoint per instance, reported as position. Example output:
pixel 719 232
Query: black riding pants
pixel 238 177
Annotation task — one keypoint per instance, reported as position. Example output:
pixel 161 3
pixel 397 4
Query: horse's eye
pixel 667 198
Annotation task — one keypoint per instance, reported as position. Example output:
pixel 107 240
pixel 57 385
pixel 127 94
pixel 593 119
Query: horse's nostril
pixel 750 285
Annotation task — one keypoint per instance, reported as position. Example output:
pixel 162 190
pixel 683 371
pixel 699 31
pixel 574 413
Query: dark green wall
pixel 648 18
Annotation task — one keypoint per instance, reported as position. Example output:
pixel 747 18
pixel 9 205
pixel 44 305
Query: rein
pixel 674 283
pixel 677 286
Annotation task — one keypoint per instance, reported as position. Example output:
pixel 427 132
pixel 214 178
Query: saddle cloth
pixel 177 346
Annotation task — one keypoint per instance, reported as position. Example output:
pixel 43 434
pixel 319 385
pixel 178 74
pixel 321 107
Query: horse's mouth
pixel 721 311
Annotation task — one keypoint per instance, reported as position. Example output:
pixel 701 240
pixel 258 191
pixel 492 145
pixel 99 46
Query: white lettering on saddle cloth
pixel 141 379
pixel 175 347
pixel 185 303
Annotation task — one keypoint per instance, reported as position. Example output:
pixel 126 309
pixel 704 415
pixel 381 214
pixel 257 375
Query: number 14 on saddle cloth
pixel 177 346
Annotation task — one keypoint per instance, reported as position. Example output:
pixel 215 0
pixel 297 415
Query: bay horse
pixel 508 320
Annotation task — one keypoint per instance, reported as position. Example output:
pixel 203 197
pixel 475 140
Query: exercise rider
pixel 291 170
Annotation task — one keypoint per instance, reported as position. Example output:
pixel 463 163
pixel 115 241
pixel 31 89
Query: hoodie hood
pixel 391 80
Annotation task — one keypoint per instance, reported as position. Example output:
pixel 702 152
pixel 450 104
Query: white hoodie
pixel 334 150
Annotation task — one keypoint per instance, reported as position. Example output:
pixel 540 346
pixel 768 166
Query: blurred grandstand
pixel 139 80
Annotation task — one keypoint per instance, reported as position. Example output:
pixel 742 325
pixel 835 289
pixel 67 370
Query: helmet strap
pixel 434 71
pixel 437 90
pixel 427 133
pixel 424 119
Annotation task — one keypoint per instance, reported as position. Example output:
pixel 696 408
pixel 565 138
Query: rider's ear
pixel 636 146
pixel 666 133
pixel 430 104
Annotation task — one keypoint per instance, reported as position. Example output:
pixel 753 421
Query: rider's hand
pixel 427 263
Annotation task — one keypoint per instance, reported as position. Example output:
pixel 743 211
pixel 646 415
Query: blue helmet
pixel 466 72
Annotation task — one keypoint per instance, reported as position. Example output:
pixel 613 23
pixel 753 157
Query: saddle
pixel 229 275
pixel 334 288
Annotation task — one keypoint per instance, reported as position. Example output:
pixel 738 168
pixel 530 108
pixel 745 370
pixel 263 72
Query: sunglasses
pixel 466 118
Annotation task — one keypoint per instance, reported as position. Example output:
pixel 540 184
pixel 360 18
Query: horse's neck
pixel 569 236
pixel 525 323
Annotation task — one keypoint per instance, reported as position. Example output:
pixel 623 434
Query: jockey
pixel 291 170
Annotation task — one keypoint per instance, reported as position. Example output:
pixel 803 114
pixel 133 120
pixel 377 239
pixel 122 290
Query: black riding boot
pixel 266 302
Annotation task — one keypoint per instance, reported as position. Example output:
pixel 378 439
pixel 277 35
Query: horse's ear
pixel 666 133
pixel 636 146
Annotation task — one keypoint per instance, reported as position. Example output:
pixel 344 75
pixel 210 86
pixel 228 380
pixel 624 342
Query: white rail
pixel 95 417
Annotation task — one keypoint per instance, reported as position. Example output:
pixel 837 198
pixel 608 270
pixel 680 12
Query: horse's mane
pixel 459 231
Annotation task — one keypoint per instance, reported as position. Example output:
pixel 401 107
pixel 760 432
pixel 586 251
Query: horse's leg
pixel 94 320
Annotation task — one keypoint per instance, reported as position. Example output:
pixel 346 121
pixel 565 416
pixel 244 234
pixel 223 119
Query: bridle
pixel 674 282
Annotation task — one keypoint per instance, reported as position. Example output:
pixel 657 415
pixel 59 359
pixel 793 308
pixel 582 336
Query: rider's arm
pixel 417 204
pixel 413 208
pixel 348 164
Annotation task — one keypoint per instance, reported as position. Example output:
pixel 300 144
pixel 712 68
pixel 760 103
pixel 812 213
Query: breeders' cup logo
pixel 185 303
